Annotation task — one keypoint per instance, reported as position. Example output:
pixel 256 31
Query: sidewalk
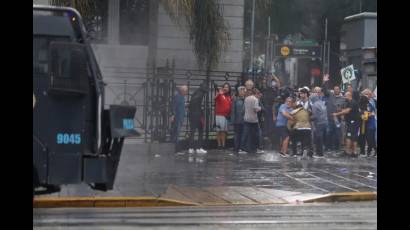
pixel 191 177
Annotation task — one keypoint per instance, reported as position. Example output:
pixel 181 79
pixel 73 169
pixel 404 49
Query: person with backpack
pixel 320 121
pixel 301 128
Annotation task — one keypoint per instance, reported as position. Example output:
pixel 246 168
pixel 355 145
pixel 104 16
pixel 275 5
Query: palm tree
pixel 207 33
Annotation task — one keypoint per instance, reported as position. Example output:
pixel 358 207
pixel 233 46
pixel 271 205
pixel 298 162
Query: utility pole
pixel 325 47
pixel 252 35
pixel 268 50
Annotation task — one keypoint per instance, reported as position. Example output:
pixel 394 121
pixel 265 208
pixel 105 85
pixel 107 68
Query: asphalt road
pixel 347 215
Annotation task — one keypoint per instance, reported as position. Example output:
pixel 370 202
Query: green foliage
pixel 206 26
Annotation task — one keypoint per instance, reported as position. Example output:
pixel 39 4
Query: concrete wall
pixel 353 34
pixel 41 2
pixel 360 33
pixel 173 41
pixel 370 33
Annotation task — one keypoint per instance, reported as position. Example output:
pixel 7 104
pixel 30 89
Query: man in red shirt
pixel 222 112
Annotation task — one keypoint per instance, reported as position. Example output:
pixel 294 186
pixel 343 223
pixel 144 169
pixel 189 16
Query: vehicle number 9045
pixel 66 138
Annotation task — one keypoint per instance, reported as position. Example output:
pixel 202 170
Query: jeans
pixel 369 137
pixel 195 124
pixel 250 137
pixel 305 137
pixel 333 135
pixel 318 137
pixel 238 131
pixel 176 129
pixel 275 138
pixel 259 141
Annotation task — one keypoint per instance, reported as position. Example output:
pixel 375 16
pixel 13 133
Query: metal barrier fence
pixel 151 92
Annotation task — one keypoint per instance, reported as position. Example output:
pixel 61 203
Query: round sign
pixel 284 51
pixel 347 74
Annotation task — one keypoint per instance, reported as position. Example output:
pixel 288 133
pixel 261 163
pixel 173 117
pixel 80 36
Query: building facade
pixel 358 46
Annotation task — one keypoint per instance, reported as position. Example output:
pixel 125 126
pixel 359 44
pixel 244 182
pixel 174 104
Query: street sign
pixel 347 74
pixel 282 50
pixel 307 42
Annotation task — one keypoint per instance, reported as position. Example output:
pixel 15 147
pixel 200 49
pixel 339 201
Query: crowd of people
pixel 312 121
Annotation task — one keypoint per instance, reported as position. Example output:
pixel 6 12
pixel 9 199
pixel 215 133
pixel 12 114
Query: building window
pixel 134 22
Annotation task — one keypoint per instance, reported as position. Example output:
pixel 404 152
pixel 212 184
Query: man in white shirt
pixel 250 132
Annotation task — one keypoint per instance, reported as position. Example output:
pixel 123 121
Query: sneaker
pixel 242 152
pixel 260 151
pixel 319 156
pixel 295 155
pixel 283 154
pixel 191 151
pixel 180 153
pixel 201 151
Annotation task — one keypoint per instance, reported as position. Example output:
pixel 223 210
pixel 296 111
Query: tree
pixel 206 26
pixel 94 15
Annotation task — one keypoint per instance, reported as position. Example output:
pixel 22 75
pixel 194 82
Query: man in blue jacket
pixel 178 114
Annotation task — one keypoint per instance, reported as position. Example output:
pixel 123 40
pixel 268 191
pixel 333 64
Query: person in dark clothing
pixel 178 114
pixel 261 118
pixel 364 114
pixel 335 102
pixel 196 117
pixel 367 125
pixel 270 91
pixel 237 113
pixel 355 93
pixel 352 118
pixel 371 123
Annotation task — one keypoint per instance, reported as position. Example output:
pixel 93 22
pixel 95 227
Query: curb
pixel 112 202
pixel 344 196
pixel 122 202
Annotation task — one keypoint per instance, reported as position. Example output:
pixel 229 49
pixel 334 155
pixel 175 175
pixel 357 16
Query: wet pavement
pixel 320 216
pixel 153 172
